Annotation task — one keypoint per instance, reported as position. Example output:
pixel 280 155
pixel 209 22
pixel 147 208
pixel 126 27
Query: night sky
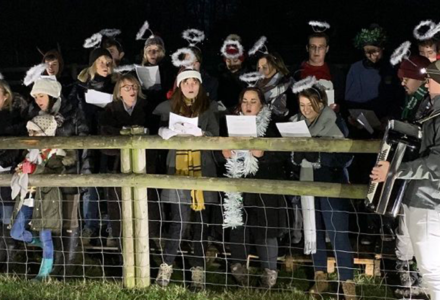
pixel 27 24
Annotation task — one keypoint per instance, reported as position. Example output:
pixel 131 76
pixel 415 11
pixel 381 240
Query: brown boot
pixel 321 283
pixel 349 289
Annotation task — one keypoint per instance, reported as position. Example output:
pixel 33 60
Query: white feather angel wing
pixel 34 73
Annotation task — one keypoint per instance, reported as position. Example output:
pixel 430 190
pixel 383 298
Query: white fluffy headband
pixel 304 84
pixel 193 36
pixel 258 46
pixel 235 44
pixel 182 52
pixel 430 33
pixel 402 52
pixel 251 78
pixel 323 26
pixel 96 38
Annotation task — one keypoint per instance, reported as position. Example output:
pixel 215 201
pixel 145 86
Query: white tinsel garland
pixel 240 165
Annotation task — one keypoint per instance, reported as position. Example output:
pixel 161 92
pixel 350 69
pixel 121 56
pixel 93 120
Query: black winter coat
pixel 230 86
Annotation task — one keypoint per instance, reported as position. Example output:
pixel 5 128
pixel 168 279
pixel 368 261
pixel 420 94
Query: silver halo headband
pixel 183 62
pixel 251 78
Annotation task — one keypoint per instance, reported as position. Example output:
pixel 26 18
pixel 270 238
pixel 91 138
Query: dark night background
pixel 26 24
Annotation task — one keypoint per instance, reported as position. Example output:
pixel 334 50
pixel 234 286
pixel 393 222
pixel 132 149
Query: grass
pixel 15 288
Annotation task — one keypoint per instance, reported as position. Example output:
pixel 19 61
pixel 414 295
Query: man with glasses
pixel 316 65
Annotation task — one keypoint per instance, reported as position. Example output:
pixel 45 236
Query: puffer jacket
pixel 423 190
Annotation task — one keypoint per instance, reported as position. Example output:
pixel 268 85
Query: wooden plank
pixel 196 143
pixel 277 187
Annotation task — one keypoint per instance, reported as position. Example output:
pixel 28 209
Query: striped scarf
pixel 189 163
pixel 412 103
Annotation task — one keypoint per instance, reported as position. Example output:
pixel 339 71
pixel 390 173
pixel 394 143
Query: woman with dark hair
pixel 323 215
pixel 276 85
pixel 70 122
pixel 264 217
pixel 188 100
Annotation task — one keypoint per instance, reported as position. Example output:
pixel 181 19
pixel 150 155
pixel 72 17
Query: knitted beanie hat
pixel 412 67
pixel 43 124
pixel 97 53
pixel 46 85
pixel 155 40
pixel 188 73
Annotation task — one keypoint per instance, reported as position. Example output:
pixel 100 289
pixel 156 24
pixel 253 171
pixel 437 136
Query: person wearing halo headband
pixel 189 100
pixel 263 218
pixel 323 215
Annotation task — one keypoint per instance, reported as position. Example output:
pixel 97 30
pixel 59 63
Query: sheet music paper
pixel 329 90
pixel 148 76
pixel 366 118
pixel 174 118
pixel 293 129
pixel 242 126
pixel 3 170
pixel 98 98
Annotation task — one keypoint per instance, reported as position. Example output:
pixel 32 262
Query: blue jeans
pixel 91 209
pixel 332 217
pixel 18 230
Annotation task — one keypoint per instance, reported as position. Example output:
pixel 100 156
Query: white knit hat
pixel 44 124
pixel 188 73
pixel 48 86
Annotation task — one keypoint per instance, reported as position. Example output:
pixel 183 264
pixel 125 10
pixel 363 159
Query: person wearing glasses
pixel 129 109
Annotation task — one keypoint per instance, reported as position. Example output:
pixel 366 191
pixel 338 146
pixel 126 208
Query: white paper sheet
pixel 244 126
pixel 3 170
pixel 294 129
pixel 98 98
pixel 179 119
pixel 366 118
pixel 329 90
pixel 148 76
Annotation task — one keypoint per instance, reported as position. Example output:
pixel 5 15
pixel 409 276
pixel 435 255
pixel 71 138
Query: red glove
pixel 27 167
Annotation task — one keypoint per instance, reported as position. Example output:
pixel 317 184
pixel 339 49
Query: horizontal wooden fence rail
pixel 279 187
pixel 199 143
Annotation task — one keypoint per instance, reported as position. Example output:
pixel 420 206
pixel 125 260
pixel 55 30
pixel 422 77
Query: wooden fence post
pixel 141 222
pixel 127 225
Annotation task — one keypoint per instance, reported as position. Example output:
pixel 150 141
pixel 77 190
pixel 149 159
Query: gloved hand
pixel 187 128
pixel 166 133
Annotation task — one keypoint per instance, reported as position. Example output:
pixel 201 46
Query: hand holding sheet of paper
pixel 98 98
pixel 180 124
pixel 148 76
pixel 244 126
pixel 294 129
pixel 366 118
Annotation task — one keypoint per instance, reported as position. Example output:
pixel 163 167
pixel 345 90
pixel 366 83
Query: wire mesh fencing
pixel 270 250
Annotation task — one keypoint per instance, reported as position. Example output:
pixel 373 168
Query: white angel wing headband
pixel 188 58
pixel 124 68
pixel 304 84
pixel 318 26
pixel 96 39
pixel 251 78
pixel 193 36
pixel 401 53
pixel 232 43
pixel 34 73
pixel 433 29
pixel 259 45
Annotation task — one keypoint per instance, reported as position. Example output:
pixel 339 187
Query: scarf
pixel 241 164
pixel 188 163
pixel 324 125
pixel 412 102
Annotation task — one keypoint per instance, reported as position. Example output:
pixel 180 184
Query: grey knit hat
pixel 155 40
